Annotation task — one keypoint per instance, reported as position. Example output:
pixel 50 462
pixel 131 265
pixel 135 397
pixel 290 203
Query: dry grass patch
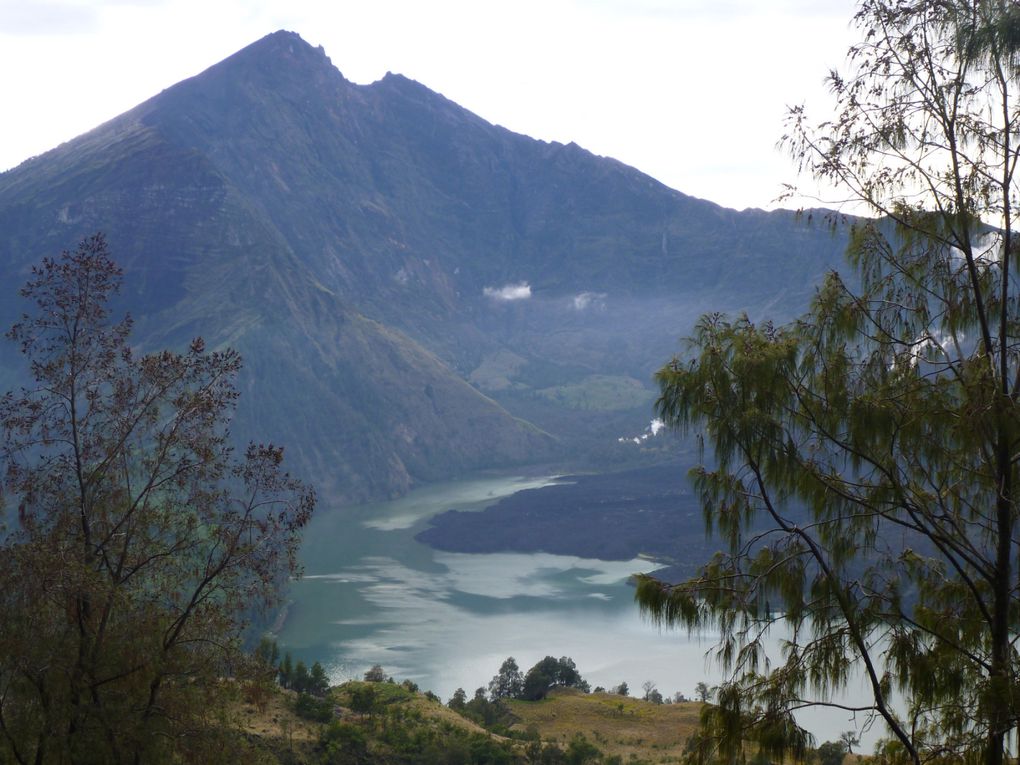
pixel 277 720
pixel 615 724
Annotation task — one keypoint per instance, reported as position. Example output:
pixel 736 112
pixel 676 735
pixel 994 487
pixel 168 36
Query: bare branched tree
pixel 136 545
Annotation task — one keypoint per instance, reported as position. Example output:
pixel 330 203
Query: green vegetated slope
pixel 404 726
pixel 357 244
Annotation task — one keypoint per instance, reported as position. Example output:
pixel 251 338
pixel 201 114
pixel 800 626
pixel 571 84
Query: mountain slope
pixel 360 245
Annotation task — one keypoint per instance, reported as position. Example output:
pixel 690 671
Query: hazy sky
pixel 692 92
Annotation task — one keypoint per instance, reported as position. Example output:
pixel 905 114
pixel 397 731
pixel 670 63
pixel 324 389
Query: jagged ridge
pixel 343 238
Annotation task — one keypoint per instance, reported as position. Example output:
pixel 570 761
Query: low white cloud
pixel 585 300
pixel 651 431
pixel 519 291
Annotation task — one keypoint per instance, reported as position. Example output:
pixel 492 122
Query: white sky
pixel 692 92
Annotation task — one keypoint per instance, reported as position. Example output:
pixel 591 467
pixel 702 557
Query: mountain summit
pixel 416 292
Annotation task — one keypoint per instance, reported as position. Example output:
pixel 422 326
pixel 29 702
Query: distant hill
pixel 417 293
pixel 405 726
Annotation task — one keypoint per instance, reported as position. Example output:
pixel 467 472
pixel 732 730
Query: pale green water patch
pixel 406 512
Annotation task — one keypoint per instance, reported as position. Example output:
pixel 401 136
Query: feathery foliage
pixel 865 475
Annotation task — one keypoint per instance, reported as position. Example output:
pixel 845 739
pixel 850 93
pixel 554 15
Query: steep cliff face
pixel 407 282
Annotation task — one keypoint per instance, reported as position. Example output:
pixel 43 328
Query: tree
pixel 652 693
pixel 849 739
pixel 865 457
pixel 363 699
pixel 262 674
pixel 287 671
pixel 301 680
pixel 539 679
pixel 318 681
pixel 375 674
pixel 508 683
pixel 458 700
pixel 137 544
pixel 268 654
pixel 622 689
pixel 550 672
pixel 702 692
pixel 832 753
pixel 567 674
pixel 486 713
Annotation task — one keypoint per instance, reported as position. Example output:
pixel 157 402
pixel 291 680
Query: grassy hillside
pixel 405 726
pixel 618 725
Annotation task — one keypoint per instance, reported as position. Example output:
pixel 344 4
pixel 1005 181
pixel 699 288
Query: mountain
pixel 417 293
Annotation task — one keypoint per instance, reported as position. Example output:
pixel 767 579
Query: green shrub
pixel 311 708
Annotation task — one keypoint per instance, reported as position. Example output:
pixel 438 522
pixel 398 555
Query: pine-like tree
pixel 865 477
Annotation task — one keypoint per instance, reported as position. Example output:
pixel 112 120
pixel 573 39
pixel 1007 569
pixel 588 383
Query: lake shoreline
pixel 648 512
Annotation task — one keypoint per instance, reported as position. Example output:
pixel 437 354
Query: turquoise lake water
pixel 371 595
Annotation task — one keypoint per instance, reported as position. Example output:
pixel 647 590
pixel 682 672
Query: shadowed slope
pixel 348 239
